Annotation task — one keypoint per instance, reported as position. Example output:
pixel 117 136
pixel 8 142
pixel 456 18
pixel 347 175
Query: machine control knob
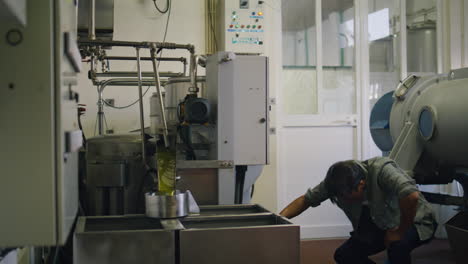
pixel 262 120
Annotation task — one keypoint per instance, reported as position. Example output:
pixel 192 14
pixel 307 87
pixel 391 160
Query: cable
pixel 127 106
pixel 210 18
pixel 169 7
pixel 159 10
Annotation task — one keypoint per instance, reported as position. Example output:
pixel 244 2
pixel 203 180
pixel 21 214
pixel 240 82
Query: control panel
pixel 242 26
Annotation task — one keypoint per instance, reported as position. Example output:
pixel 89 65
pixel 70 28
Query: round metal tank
pixel 422 48
pixel 438 108
pixel 116 178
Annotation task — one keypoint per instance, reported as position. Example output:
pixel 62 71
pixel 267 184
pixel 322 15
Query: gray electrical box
pixel 238 87
pixel 40 137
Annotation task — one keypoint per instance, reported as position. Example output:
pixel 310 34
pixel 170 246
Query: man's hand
pixel 392 235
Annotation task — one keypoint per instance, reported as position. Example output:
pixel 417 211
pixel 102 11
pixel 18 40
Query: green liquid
pixel 166 171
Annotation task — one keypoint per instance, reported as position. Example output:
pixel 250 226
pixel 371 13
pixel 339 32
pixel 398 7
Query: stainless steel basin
pixel 237 209
pixel 244 234
pixel 247 239
pixel 123 239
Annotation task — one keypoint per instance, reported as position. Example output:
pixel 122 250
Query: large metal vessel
pixel 116 177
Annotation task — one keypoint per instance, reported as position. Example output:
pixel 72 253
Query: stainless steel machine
pixel 422 125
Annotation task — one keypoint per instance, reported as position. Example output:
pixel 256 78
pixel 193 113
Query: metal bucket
pixel 167 206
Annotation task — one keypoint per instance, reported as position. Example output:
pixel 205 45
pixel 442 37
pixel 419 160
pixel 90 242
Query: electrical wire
pixel 169 7
pixel 127 106
pixel 211 20
pixel 162 11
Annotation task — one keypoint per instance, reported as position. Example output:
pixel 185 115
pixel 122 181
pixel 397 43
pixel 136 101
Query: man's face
pixel 357 194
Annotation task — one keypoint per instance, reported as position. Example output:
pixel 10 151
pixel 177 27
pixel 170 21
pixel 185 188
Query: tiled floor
pixel 321 252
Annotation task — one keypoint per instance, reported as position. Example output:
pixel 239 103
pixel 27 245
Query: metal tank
pixel 426 133
pixel 116 178
pixel 437 107
pixel 428 116
pixel 422 48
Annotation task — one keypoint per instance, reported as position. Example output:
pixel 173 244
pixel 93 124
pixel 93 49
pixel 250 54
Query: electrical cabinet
pixel 241 26
pixel 238 88
pixel 39 131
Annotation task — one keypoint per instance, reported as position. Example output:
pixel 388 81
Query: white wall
pixel 138 20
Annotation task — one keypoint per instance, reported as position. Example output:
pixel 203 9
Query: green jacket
pixel 386 183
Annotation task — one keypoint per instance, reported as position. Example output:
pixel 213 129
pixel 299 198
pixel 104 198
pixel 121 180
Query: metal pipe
pixel 142 119
pixel 145 82
pixel 100 110
pixel 124 82
pixel 116 43
pixel 185 79
pixel 92 20
pixel 193 89
pixel 159 91
pixel 181 59
pixel 133 74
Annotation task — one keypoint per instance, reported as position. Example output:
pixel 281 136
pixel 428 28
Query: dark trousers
pixel 368 240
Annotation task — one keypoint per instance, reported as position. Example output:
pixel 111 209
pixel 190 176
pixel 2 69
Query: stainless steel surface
pixel 108 175
pixel 116 43
pixel 160 95
pixel 115 178
pixel 205 164
pixel 422 49
pixel 181 59
pixel 194 62
pixel 102 25
pixel 124 82
pixel 166 206
pixel 140 103
pixel 236 209
pixel 100 113
pixel 184 79
pixel 128 239
pixel 134 74
pixel 193 206
pixel 239 239
pixel 92 20
pixel 245 238
pixel 172 224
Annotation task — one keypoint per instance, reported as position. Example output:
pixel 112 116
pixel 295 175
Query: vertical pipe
pixel 92 20
pixel 403 44
pixel 100 111
pixel 462 32
pixel 142 119
pixel 159 91
pixel 193 73
pixel 319 52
